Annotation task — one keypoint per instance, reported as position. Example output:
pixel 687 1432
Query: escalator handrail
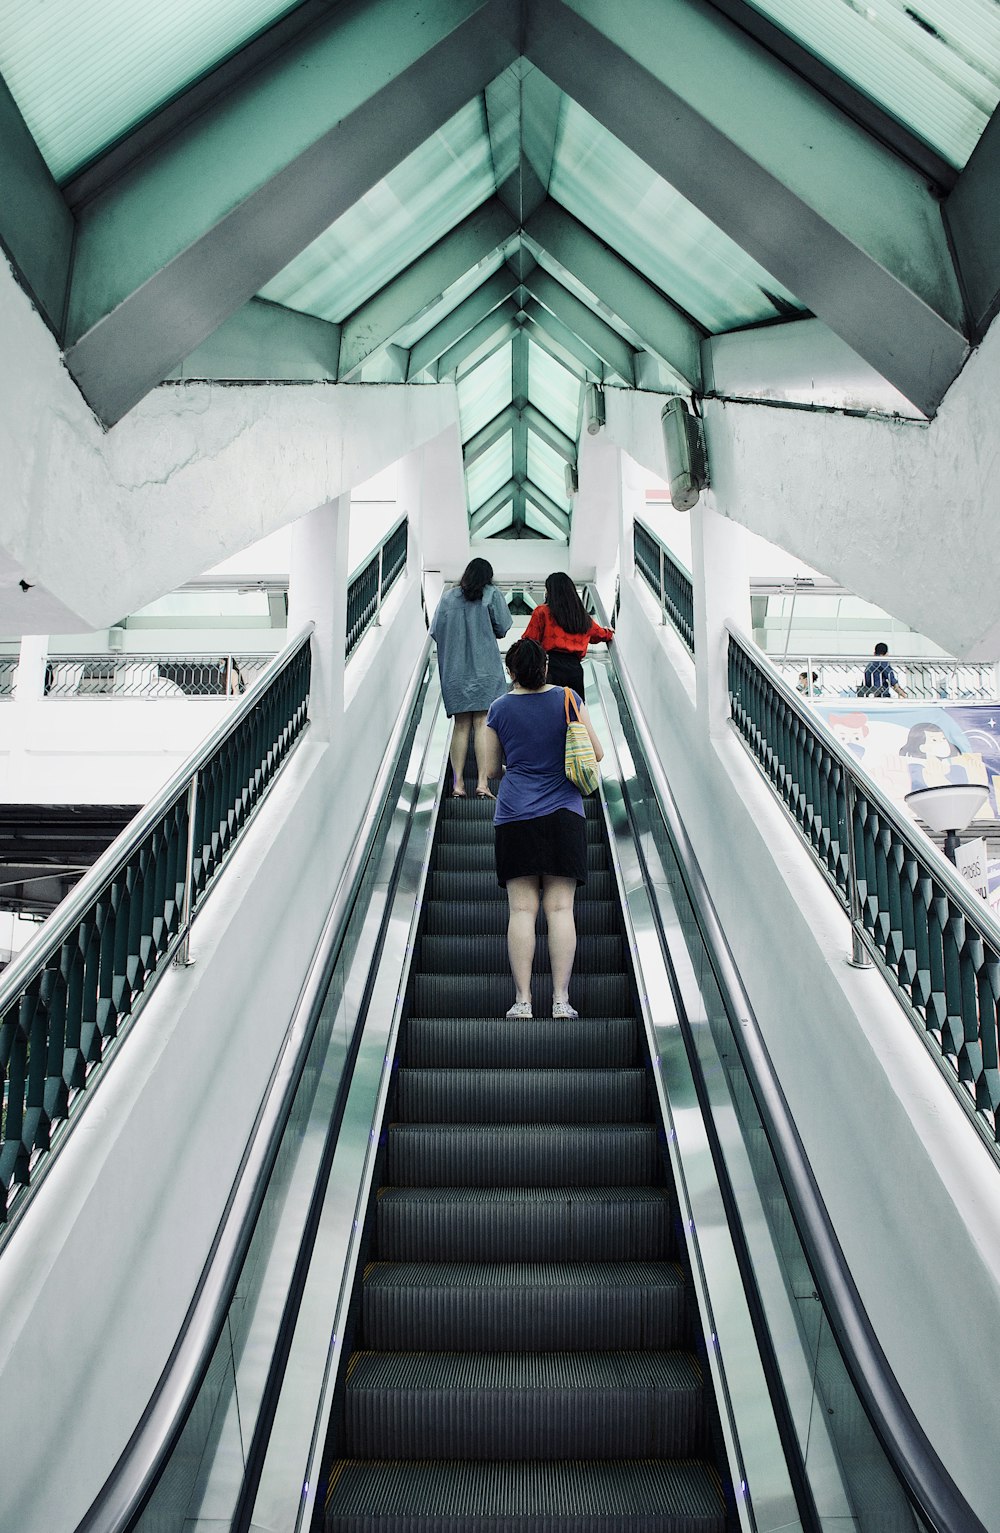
pixel 919 1467
pixel 135 1475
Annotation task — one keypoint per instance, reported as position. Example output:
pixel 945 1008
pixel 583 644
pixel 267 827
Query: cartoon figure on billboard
pixel 935 760
pixel 851 729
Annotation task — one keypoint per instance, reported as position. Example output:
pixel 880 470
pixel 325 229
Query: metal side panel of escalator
pixel 525 1348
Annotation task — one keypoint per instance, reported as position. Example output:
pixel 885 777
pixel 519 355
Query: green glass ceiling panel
pixel 500 519
pixel 484 391
pixel 933 64
pixel 546 469
pixel 83 72
pixel 554 391
pixel 616 195
pixel 490 472
pixel 450 299
pixel 540 523
pixel 433 189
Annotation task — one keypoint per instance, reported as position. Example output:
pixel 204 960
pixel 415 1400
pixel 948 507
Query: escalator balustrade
pixel 525 1352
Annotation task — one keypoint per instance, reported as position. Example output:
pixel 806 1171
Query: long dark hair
pixel 476 576
pixel 565 605
pixel 527 664
pixel 917 739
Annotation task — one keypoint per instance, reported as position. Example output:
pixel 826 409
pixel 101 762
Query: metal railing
pixel 932 939
pixel 368 585
pixel 8 670
pixel 669 582
pixel 143 676
pixel 925 680
pixel 72 992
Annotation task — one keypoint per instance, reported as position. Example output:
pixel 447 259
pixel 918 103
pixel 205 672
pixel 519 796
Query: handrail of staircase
pixel 932 1490
pixel 899 896
pixel 130 1483
pixel 69 996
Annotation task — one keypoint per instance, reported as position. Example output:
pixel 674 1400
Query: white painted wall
pixel 99 523
pixel 95 1281
pixel 910 1189
pixel 901 513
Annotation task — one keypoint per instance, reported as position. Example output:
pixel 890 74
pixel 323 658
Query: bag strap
pixel 570 700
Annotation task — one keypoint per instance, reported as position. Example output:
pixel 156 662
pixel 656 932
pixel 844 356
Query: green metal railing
pixel 935 943
pixel 70 995
pixel 368 585
pixel 668 581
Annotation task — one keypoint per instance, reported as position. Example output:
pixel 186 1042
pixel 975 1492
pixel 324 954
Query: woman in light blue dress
pixel 467 624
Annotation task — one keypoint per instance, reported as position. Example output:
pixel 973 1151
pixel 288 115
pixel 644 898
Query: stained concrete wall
pixel 901 513
pixel 99 523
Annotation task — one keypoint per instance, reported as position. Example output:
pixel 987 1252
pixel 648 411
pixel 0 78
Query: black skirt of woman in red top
pixel 565 650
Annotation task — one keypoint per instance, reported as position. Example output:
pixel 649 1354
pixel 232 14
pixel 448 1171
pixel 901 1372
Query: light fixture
pixel 595 408
pixel 948 809
pixel 572 480
pixel 687 470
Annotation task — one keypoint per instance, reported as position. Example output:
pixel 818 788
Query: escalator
pixel 526 1348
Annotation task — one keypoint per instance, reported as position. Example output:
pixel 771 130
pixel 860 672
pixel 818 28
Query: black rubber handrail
pixel 913 1457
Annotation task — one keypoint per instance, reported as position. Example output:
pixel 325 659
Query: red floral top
pixel 545 631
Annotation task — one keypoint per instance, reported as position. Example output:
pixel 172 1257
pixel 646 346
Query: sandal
pixel 484 793
pixel 520 1009
pixel 564 1010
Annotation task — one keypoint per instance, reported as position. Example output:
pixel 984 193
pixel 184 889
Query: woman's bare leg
pixel 478 732
pixel 522 897
pixel 459 751
pixel 558 895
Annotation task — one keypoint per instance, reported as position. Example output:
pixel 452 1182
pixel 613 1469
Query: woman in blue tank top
pixel 539 828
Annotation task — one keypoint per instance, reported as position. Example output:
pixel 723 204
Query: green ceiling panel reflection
pixel 934 64
pixel 83 74
pixel 637 213
pixel 484 391
pixel 490 472
pixel 554 390
pixel 405 214
pixel 450 299
pixel 546 469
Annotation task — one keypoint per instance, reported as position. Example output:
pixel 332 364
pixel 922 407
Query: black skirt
pixel 553 843
pixel 566 670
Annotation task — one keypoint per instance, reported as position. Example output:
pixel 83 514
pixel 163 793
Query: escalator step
pixel 441 919
pixel 491 1042
pixel 632 1496
pixel 504 1405
pixel 465 857
pixel 522 1096
pixel 489 995
pixel 524 1224
pixel 479 832
pixel 451 1307
pixel 487 954
pixel 522 1155
pixel 480 883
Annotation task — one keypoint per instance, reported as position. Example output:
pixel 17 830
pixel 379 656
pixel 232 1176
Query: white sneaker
pixel 564 1010
pixel 520 1009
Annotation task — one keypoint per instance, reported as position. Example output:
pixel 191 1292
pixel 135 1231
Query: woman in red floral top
pixel 563 627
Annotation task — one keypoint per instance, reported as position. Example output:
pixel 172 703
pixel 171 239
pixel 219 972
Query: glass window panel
pixel 484 391
pixel 490 472
pixel 554 391
pixel 934 64
pixel 539 523
pixel 450 299
pixel 637 213
pixel 84 74
pixel 546 470
pixel 500 519
pixel 433 189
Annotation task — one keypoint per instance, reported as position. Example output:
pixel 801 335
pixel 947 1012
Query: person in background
pixel 807 687
pixel 469 620
pixel 880 676
pixel 539 827
pixel 564 628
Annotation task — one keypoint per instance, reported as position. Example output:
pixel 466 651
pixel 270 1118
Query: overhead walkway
pixel 535 1274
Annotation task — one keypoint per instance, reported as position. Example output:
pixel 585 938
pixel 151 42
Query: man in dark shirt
pixel 880 676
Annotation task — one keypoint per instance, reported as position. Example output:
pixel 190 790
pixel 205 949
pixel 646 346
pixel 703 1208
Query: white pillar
pixel 633 501
pixel 593 543
pixel 317 593
pixel 444 517
pixel 721 594
pixel 29 678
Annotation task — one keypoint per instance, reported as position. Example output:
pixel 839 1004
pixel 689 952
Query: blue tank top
pixel 532 730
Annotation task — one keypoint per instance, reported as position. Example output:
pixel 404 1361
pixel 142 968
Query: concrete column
pixel 593 543
pixel 444 519
pixel 633 501
pixel 721 594
pixel 29 678
pixel 317 593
